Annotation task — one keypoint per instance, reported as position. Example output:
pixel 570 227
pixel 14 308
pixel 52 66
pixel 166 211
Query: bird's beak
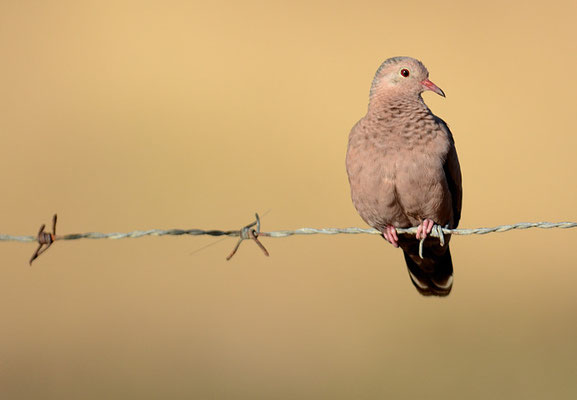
pixel 431 86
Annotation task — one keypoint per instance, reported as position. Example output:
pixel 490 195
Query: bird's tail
pixel 432 275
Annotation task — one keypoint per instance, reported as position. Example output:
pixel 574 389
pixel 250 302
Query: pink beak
pixel 431 86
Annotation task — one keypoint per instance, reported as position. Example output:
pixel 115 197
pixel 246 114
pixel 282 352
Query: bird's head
pixel 402 77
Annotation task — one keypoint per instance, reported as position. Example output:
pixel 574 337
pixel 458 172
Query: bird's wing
pixel 453 175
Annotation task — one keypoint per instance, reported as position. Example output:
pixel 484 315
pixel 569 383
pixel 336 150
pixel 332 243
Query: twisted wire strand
pixel 285 233
pixel 413 230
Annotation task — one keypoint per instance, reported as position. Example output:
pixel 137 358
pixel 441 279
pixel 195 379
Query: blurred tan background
pixel 135 115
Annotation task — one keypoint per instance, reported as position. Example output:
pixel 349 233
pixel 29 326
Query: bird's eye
pixel 405 72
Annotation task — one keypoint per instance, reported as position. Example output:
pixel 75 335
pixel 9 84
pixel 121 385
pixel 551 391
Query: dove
pixel 404 171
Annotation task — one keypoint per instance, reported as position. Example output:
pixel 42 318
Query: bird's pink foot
pixel 390 235
pixel 425 228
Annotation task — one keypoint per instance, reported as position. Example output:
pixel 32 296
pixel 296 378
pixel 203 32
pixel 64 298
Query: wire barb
pixel 44 239
pixel 248 233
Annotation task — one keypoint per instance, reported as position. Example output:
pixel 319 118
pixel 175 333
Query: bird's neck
pixel 383 106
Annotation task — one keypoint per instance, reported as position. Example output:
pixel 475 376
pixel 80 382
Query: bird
pixel 404 171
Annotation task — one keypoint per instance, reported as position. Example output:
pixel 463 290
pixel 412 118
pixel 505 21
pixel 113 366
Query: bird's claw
pixel 390 235
pixel 425 228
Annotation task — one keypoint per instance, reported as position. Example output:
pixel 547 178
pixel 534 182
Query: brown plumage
pixel 403 170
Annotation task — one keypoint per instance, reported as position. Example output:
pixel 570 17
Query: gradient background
pixel 135 115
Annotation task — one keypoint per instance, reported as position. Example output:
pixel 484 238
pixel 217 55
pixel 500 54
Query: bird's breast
pixel 397 176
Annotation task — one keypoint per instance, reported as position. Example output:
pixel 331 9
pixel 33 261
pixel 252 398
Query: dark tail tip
pixel 433 275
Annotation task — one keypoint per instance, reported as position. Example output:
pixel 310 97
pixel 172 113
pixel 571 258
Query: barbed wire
pixel 252 231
